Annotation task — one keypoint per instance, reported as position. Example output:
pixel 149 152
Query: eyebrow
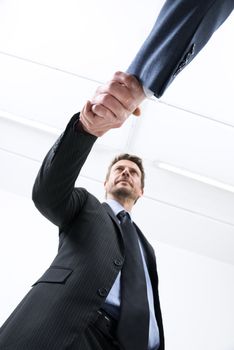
pixel 131 168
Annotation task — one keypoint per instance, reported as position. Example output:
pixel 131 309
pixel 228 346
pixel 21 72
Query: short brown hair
pixel 132 158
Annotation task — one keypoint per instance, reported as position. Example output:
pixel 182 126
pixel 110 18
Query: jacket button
pixel 102 292
pixel 118 262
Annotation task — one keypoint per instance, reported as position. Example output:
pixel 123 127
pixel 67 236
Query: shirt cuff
pixel 148 93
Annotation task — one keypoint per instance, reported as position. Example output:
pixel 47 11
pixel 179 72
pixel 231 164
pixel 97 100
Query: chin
pixel 123 192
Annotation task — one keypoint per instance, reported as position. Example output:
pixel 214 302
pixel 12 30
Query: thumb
pixel 137 112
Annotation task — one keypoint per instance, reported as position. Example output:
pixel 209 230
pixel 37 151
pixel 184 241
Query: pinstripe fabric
pixel 182 29
pixel 95 340
pixel 58 310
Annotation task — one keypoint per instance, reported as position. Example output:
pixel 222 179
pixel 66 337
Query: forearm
pixel 53 192
pixel 182 29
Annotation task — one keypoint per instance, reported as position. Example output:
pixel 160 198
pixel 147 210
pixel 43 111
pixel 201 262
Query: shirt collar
pixel 115 206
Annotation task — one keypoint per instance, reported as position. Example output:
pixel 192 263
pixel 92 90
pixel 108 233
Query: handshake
pixel 112 104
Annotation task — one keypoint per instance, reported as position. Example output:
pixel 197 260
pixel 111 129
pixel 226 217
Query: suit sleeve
pixel 182 29
pixel 54 193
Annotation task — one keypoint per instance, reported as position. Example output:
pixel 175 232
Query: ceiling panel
pixel 185 140
pixel 69 35
pixel 41 93
pixel 185 230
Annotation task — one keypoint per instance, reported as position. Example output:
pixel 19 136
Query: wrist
pixel 80 127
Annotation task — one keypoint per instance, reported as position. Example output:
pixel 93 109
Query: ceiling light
pixel 29 123
pixel 195 176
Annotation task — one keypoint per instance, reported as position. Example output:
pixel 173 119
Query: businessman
pixel 101 290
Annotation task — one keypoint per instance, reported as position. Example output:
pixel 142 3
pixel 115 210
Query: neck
pixel 127 203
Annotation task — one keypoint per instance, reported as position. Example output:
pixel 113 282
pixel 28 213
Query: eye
pixel 134 172
pixel 119 169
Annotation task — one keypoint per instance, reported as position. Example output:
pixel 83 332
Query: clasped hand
pixel 112 104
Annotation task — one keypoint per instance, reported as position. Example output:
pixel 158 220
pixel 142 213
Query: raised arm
pixel 53 193
pixel 182 29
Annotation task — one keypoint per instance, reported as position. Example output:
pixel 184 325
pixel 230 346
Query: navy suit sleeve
pixel 54 193
pixel 182 29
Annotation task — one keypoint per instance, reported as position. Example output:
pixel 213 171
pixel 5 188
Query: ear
pixel 141 192
pixel 105 184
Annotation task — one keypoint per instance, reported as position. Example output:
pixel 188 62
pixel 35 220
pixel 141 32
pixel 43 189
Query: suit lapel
pixel 113 217
pixel 148 250
pixel 152 269
pixel 149 257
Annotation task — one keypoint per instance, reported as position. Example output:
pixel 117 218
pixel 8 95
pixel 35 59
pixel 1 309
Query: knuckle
pixel 112 85
pixel 118 74
pixel 128 79
pixel 106 99
pixel 96 108
pixel 130 105
pixel 105 113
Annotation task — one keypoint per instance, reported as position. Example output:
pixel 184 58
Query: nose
pixel 125 172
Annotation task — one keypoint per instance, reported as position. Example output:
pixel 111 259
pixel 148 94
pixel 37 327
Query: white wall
pixel 196 291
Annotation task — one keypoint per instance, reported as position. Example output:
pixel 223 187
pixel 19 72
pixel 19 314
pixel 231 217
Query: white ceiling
pixel 54 54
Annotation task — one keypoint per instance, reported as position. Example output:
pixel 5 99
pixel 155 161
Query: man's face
pixel 124 181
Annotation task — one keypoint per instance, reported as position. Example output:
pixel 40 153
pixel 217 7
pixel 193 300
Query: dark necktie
pixel 133 325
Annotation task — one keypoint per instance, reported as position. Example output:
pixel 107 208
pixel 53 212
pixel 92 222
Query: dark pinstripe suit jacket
pixel 58 309
pixel 182 29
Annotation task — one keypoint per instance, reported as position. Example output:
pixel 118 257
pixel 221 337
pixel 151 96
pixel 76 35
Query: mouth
pixel 124 181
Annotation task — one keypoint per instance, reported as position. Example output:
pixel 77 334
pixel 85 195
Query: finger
pixel 137 112
pixel 129 80
pixel 86 115
pixel 103 112
pixel 133 85
pixel 88 108
pixel 120 92
pixel 112 104
pixel 124 79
